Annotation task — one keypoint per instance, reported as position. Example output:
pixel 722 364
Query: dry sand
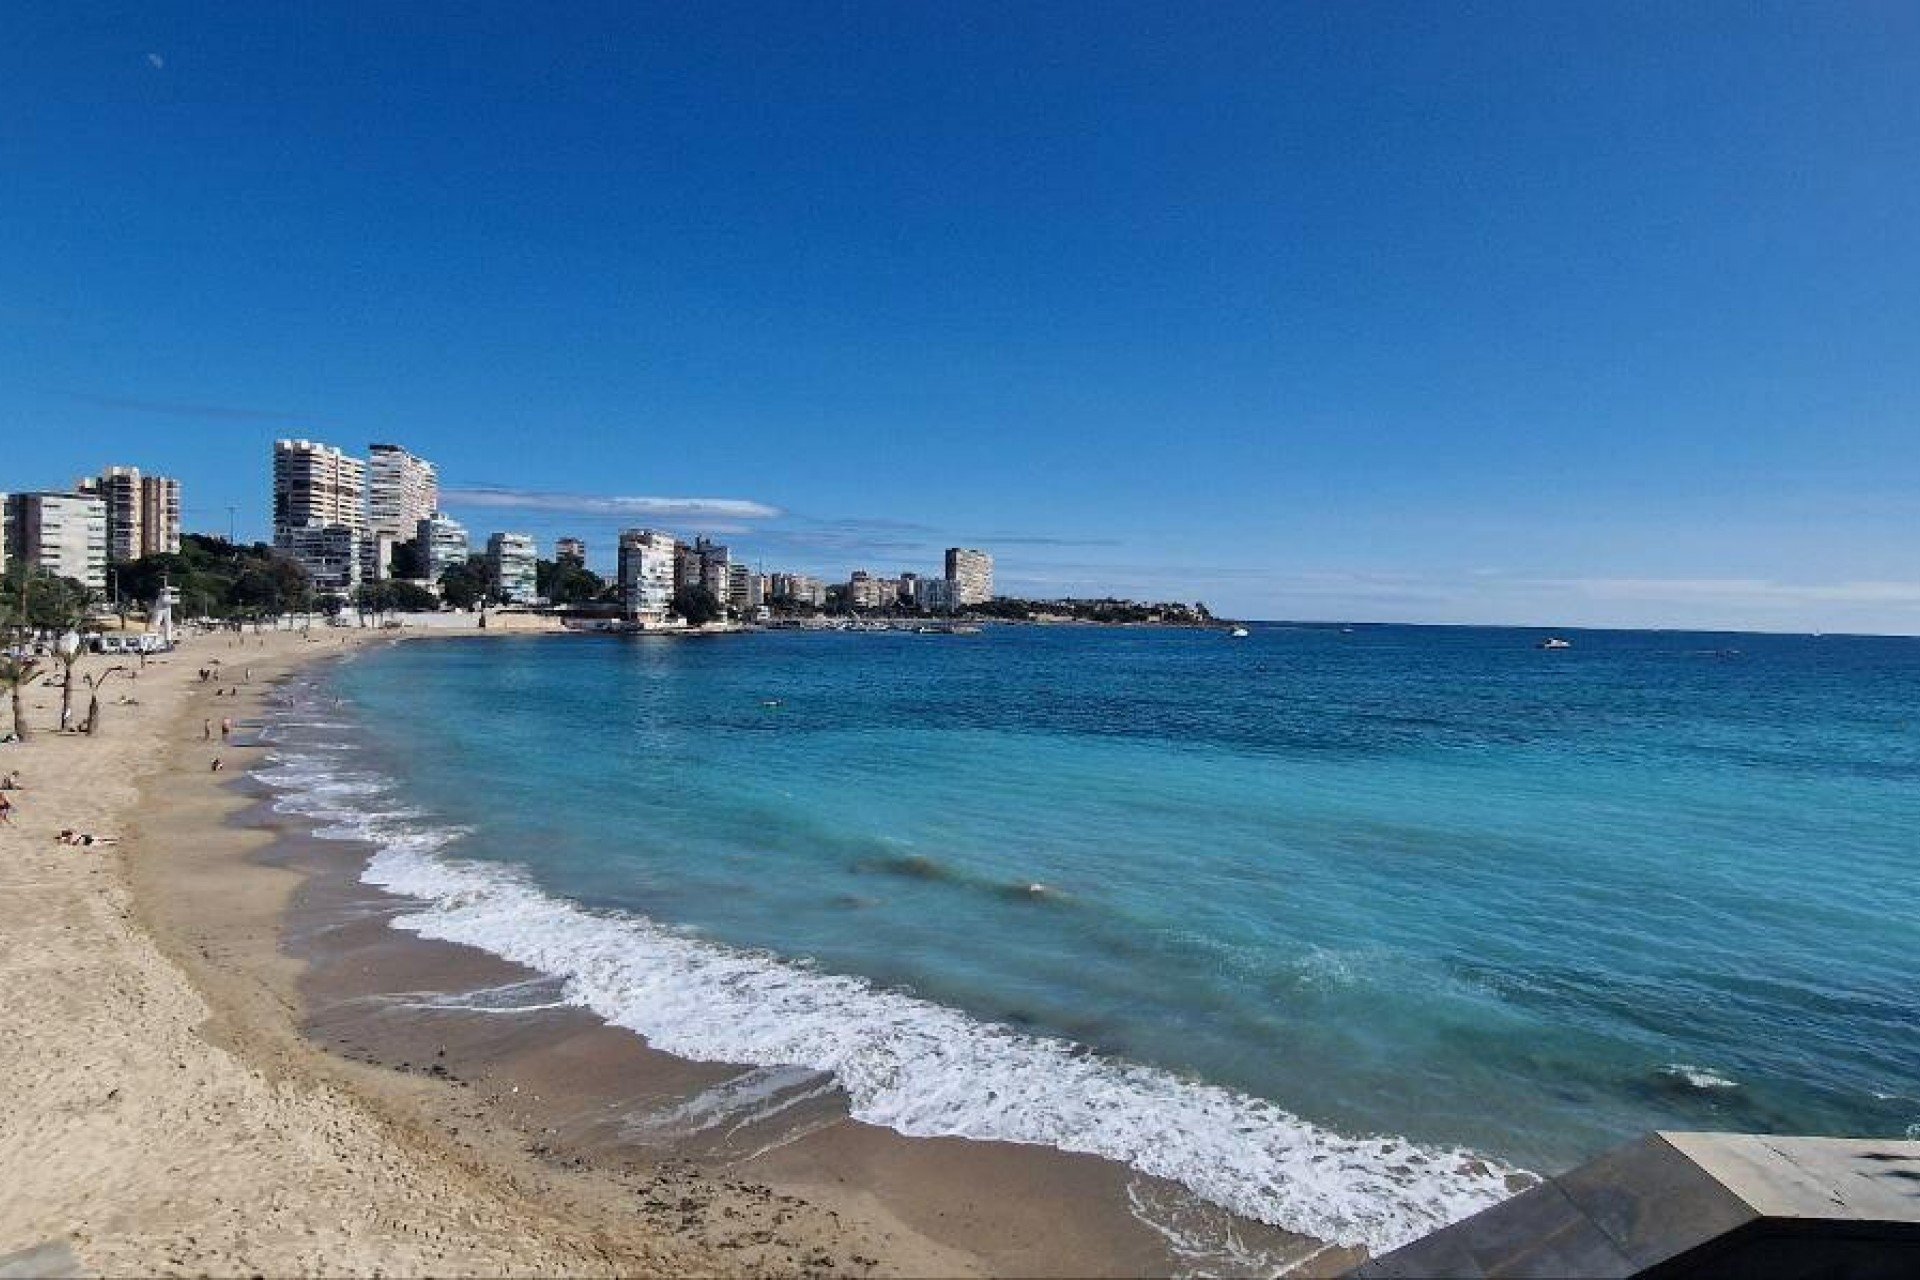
pixel 132 1135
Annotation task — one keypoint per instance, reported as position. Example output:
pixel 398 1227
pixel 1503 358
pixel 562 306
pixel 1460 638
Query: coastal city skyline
pixel 925 286
pixel 352 522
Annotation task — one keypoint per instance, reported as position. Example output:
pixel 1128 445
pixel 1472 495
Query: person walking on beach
pixel 206 731
pixel 226 728
pixel 6 809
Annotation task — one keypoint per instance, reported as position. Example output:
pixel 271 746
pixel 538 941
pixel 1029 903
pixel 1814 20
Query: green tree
pixel 411 597
pixel 373 599
pixel 35 603
pixel 563 582
pixel 409 559
pixel 468 585
pixel 697 605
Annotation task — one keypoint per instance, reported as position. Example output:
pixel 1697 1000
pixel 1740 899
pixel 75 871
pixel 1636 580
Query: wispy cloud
pixel 1763 592
pixel 731 512
pixel 189 409
pixel 157 62
pixel 1041 540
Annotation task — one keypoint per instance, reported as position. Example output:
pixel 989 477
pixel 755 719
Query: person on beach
pixel 206 731
pixel 6 810
pixel 216 764
pixel 11 782
pixel 226 728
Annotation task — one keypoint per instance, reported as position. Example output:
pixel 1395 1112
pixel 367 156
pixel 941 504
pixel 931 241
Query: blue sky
pixel 1557 314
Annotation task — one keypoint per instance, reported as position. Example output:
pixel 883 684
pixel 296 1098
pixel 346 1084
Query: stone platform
pixel 1694 1206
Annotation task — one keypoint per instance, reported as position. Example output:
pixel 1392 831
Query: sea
pixel 1351 930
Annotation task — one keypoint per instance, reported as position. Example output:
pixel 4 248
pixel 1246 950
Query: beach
pixel 209 1071
pixel 148 1125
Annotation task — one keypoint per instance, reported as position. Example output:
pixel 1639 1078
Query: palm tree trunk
pixel 19 714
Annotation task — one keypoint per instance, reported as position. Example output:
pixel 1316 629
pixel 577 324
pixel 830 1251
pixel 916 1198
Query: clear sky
pixel 1545 313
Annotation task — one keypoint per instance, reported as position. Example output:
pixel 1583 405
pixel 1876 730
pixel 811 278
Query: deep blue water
pixel 1423 882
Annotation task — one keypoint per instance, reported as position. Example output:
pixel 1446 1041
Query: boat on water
pixel 1239 633
pixel 1554 642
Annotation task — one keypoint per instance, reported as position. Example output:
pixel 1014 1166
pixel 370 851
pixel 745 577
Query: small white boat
pixel 1554 642
pixel 1239 633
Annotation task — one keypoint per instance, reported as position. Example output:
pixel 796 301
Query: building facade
pixel 330 553
pixel 444 540
pixel 402 490
pixel 937 595
pixel 317 485
pixel 795 588
pixel 864 591
pixel 971 573
pixel 159 515
pixel 64 534
pixel 647 573
pixel 716 569
pixel 571 551
pixel 143 512
pixel 513 561
pixel 119 489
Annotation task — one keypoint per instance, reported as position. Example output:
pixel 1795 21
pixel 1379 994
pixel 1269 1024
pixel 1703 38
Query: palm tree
pixel 93 696
pixel 69 619
pixel 16 672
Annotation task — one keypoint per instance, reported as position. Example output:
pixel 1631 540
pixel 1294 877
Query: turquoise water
pixel 1269 898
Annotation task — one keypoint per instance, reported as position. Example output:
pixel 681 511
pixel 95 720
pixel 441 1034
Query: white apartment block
pixel 647 574
pixel 64 534
pixel 315 485
pixel 402 490
pixel 971 573
pixel 445 542
pixel 513 560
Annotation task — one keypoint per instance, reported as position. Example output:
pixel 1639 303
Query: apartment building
pixel 63 533
pixel 647 573
pixel 444 540
pixel 971 573
pixel 402 490
pixel 513 561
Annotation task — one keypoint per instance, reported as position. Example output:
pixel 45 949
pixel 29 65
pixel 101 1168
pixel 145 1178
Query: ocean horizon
pixel 1349 928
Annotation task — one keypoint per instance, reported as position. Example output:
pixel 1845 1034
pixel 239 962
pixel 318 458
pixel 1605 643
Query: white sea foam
pixel 1699 1077
pixel 914 1066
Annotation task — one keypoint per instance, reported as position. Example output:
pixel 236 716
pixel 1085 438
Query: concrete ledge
pixel 53 1260
pixel 1681 1206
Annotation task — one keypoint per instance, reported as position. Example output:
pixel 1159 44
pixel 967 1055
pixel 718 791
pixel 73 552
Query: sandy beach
pixel 146 1130
pixel 210 1067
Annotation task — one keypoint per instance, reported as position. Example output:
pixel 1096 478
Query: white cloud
pixel 157 62
pixel 705 510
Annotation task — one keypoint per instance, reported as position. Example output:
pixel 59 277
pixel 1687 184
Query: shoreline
pixel 600 1101
pixel 213 882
